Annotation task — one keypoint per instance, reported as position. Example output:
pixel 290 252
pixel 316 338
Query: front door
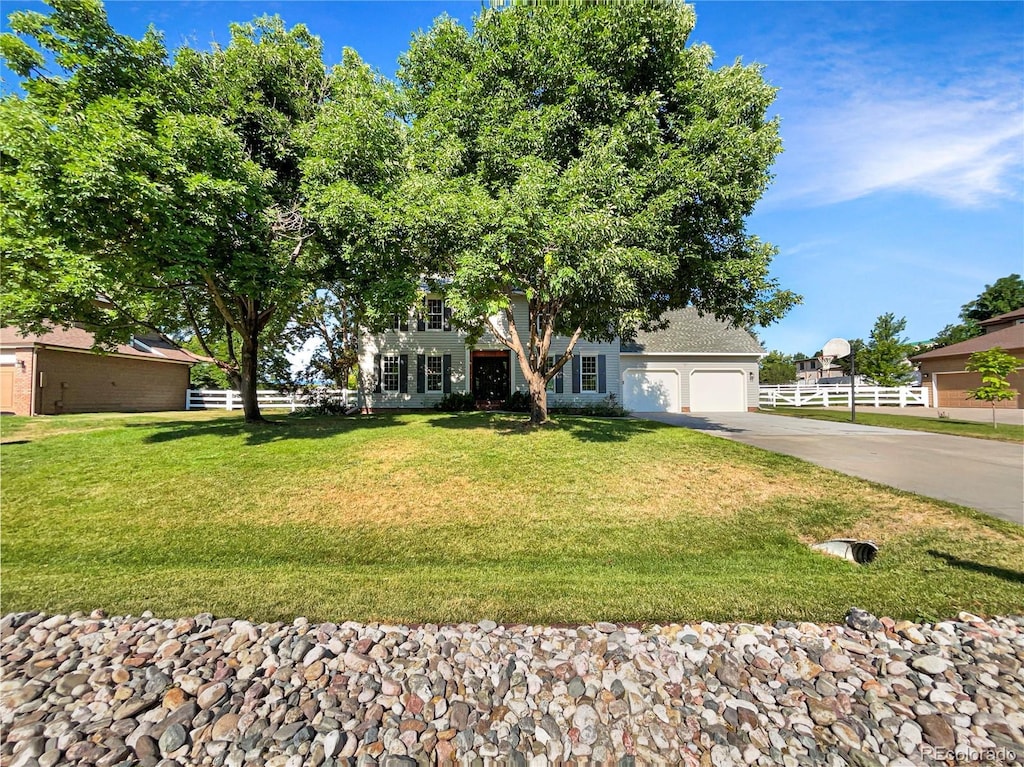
pixel 490 377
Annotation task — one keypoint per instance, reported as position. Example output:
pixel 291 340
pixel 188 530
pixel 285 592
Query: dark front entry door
pixel 490 378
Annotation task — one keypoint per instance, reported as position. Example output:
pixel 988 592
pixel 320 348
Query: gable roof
pixel 688 332
pixel 146 347
pixel 1011 339
pixel 1007 316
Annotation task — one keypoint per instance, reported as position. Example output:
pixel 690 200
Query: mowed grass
pixel 1004 432
pixel 436 518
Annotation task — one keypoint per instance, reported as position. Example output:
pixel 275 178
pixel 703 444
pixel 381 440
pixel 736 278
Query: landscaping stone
pixel 202 690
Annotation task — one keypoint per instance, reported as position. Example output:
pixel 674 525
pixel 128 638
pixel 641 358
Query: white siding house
pixel 697 363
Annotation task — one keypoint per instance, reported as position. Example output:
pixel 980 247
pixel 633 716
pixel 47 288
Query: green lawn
pixel 1003 432
pixel 444 518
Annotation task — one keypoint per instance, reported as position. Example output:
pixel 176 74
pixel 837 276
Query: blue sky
pixel 901 187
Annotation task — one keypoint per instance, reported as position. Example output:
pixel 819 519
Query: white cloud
pixel 965 150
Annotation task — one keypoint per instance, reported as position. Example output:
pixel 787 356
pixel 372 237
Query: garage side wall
pixel 684 365
pixel 74 382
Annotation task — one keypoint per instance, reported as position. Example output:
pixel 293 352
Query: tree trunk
pixel 539 400
pixel 249 374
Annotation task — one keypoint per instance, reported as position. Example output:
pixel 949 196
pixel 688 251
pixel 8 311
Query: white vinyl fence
pixel 837 395
pixel 223 399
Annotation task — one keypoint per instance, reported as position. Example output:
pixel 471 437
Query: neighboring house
pixel 944 370
pixel 58 372
pixel 809 371
pixel 695 364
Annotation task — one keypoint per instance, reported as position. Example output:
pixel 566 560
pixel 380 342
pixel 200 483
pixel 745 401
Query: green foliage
pixel 778 368
pixel 955 333
pixel 884 358
pixel 1004 295
pixel 518 402
pixel 456 402
pixel 173 185
pixel 321 401
pixel 608 407
pixel 326 319
pixel 995 366
pixel 592 161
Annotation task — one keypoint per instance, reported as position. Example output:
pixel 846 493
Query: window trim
pixel 584 358
pixel 396 360
pixel 431 316
pixel 427 373
pixel 550 385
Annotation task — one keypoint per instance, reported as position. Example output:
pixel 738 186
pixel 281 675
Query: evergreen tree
pixel 884 358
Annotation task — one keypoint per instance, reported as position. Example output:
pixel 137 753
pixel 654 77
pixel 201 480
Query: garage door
pixel 649 391
pixel 7 388
pixel 717 391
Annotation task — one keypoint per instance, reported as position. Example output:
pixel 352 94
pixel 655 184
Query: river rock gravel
pixel 88 689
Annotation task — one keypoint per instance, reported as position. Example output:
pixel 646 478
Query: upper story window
pixel 588 373
pixel 400 322
pixel 389 369
pixel 435 314
pixel 551 381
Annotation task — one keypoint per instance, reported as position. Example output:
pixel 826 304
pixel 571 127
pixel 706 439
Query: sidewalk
pixel 981 414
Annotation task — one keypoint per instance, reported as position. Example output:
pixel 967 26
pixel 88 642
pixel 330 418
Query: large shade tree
pixel 1004 295
pixel 590 159
pixel 172 186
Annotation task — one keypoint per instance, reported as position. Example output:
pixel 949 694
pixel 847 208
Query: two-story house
pixel 695 364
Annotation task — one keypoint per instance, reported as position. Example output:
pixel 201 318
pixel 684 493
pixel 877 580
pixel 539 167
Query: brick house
pixel 944 370
pixel 58 372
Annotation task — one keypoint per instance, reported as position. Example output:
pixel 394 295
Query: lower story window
pixel 433 374
pixel 588 373
pixel 389 372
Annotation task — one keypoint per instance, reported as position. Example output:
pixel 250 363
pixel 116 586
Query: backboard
pixel 837 347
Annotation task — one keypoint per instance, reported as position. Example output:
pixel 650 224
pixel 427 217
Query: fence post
pixel 229 403
pixel 188 399
pixel 903 396
pixel 877 393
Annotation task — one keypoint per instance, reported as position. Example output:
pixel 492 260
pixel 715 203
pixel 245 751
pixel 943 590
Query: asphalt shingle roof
pixel 1011 339
pixel 77 338
pixel 688 332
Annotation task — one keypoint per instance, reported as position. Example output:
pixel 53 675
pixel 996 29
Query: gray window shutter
pixel 421 373
pixel 602 374
pixel 560 380
pixel 403 373
pixel 447 318
pixel 403 321
pixel 421 319
pixel 575 374
pixel 446 373
pixel 376 374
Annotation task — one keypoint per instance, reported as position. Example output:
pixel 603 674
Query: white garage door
pixel 648 391
pixel 717 391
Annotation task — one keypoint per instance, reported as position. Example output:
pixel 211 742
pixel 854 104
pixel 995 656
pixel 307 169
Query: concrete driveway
pixel 982 474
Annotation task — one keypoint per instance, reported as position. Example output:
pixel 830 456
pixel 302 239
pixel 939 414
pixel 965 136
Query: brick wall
pixel 23 382
pixel 90 383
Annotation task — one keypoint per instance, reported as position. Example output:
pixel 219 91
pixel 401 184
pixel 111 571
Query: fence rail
pixel 224 399
pixel 837 395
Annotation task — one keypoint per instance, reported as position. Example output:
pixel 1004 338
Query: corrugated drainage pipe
pixel 861 552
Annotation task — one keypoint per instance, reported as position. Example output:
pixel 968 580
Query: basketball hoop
pixel 826 362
